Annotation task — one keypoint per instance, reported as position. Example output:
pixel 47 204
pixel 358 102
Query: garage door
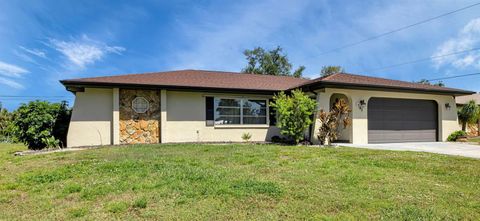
pixel 401 120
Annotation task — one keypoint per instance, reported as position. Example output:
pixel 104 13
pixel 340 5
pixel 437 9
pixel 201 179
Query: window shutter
pixel 209 111
pixel 273 115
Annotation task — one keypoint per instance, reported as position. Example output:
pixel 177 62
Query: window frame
pixel 242 101
pixel 140 98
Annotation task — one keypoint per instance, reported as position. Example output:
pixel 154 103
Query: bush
pixel 294 112
pixel 41 124
pixel 246 137
pixel 62 122
pixel 455 135
pixel 330 121
pixel 6 125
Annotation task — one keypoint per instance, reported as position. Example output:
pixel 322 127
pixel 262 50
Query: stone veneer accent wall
pixel 136 128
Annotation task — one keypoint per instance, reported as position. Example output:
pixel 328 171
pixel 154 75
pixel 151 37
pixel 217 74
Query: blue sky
pixel 43 42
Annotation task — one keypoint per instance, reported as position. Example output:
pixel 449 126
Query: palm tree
pixel 469 113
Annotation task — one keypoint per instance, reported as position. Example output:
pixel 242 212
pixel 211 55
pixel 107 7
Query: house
pixel 472 129
pixel 212 106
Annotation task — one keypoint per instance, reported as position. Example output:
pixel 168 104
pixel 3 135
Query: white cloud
pixel 10 83
pixel 35 52
pixel 11 70
pixel 84 51
pixel 467 38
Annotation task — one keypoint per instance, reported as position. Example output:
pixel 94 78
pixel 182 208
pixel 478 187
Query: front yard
pixel 474 140
pixel 237 182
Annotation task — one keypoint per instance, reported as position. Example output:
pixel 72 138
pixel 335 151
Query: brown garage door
pixel 401 120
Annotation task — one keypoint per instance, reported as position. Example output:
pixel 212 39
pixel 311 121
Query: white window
pixel 140 105
pixel 240 111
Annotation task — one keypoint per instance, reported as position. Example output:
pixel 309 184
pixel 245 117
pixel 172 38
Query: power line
pixel 397 30
pixel 456 76
pixel 423 59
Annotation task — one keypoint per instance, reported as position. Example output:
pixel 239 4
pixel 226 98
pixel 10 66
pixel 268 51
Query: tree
pixel 468 113
pixel 427 82
pixel 273 62
pixel 329 70
pixel 62 122
pixel 330 121
pixel 6 124
pixel 294 113
pixel 37 124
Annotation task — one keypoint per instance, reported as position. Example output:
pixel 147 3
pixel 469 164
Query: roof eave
pixel 68 83
pixel 319 85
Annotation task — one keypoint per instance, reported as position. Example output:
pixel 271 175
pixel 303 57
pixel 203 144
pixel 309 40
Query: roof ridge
pixel 185 70
pixel 127 74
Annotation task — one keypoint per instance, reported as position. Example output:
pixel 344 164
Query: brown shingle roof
pixel 200 79
pixel 197 79
pixel 345 79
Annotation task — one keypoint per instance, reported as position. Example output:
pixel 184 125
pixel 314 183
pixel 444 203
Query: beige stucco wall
pixel 447 117
pixel 91 120
pixel 183 117
pixel 184 121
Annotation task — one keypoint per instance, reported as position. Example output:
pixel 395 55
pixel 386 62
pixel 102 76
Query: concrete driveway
pixel 449 148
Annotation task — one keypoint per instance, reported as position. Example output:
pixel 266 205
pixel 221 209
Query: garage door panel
pixel 401 120
pixel 390 136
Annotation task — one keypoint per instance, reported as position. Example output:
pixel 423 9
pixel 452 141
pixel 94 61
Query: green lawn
pixel 237 182
pixel 474 139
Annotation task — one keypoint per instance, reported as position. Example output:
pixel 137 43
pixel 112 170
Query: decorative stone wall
pixel 137 128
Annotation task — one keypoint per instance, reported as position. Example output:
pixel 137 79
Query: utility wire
pixel 456 76
pixel 397 30
pixel 423 59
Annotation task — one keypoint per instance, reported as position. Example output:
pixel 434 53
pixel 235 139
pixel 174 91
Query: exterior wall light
pixel 361 104
pixel 447 106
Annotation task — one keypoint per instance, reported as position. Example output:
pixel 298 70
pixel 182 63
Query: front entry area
pixel 392 120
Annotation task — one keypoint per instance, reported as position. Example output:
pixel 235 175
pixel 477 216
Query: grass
pixel 474 139
pixel 237 182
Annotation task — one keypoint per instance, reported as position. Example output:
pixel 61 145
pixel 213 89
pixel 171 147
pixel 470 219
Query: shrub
pixel 454 136
pixel 246 137
pixel 6 125
pixel 294 112
pixel 330 121
pixel 39 124
pixel 50 142
pixel 62 122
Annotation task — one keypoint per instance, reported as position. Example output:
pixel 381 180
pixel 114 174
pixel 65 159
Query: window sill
pixel 242 126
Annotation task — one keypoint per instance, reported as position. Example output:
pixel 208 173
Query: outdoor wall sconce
pixel 361 104
pixel 447 106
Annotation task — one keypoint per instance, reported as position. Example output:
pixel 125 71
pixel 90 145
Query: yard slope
pixel 239 182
